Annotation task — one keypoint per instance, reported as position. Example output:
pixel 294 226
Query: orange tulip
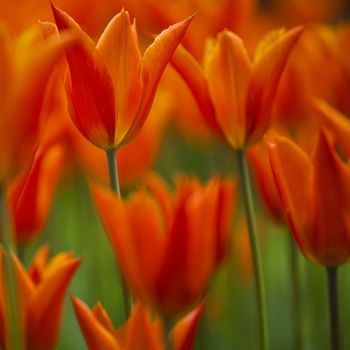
pixel 111 87
pixel 31 195
pixel 42 290
pixel 169 246
pixel 315 194
pixel 25 66
pixel 140 332
pixel 259 161
pixel 234 93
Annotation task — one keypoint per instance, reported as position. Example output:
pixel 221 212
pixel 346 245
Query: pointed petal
pixel 265 80
pixel 192 73
pixel 336 122
pixel 186 329
pixel 142 333
pixel 154 61
pixel 46 305
pixel 96 336
pixel 329 239
pixel 31 196
pixel 119 50
pixel 228 70
pixel 89 87
pixel 292 171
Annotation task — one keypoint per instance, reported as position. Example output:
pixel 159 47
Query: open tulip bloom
pixel 111 86
pixel 168 246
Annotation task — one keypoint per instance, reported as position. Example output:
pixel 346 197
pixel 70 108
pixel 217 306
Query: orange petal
pixel 336 122
pixel 154 61
pixel 118 48
pixel 46 305
pixel 329 238
pixel 90 87
pixel 114 217
pixel 192 73
pixel 31 196
pixel 142 333
pixel 228 70
pixel 291 167
pixel 185 329
pixel 265 80
pixel 96 335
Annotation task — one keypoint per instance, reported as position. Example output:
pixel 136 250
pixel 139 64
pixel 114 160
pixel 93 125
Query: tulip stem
pixel 255 249
pixel 333 307
pixel 168 325
pixel 295 286
pixel 9 281
pixel 115 187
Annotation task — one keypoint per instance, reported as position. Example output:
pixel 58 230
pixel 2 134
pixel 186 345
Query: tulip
pixel 26 64
pixel 317 211
pixel 42 291
pixel 168 246
pixel 31 195
pixel 111 86
pixel 140 332
pixel 234 93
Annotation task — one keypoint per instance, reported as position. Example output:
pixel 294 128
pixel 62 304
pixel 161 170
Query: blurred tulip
pixel 31 195
pixel 259 161
pixel 111 87
pixel 314 191
pixel 168 246
pixel 26 64
pixel 235 94
pixel 140 332
pixel 42 291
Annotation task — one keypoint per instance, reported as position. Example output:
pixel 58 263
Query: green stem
pixel 168 325
pixel 333 307
pixel 255 249
pixel 10 283
pixel 114 184
pixel 295 288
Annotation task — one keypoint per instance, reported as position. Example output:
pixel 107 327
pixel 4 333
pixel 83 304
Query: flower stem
pixel 295 289
pixel 333 307
pixel 255 249
pixel 115 187
pixel 168 325
pixel 10 283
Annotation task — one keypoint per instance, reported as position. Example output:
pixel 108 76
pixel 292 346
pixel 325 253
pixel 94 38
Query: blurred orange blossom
pixel 169 245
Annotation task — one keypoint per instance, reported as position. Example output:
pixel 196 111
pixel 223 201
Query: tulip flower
pixel 110 86
pixel 140 332
pixel 317 211
pixel 42 291
pixel 26 64
pixel 168 246
pixel 234 93
pixel 31 195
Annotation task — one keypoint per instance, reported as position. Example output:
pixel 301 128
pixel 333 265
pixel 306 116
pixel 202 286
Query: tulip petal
pixel 192 73
pixel 292 171
pixel 154 61
pixel 228 70
pixel 265 80
pixel 119 50
pixel 185 329
pixel 45 310
pixel 142 333
pixel 331 176
pixel 31 196
pixel 336 122
pixel 90 87
pixel 96 335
